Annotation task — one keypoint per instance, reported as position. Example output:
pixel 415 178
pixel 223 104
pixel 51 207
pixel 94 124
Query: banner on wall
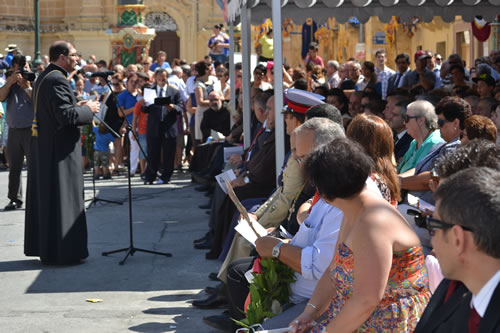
pixel 481 29
pixel 360 51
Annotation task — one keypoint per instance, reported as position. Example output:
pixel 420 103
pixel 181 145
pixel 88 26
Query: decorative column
pixel 130 38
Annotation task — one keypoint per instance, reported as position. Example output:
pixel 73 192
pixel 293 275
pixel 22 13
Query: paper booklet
pixel 420 204
pixel 222 177
pixel 253 234
pixel 149 96
pixel 243 228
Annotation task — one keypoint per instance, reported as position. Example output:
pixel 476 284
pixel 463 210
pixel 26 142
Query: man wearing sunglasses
pixel 465 232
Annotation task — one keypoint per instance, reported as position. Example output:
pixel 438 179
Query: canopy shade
pixel 342 10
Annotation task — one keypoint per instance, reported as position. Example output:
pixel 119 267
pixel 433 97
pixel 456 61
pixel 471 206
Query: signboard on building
pixel 379 38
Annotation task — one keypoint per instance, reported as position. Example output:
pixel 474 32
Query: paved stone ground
pixel 150 293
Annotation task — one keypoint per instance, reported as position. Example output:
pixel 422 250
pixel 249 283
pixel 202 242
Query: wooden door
pixel 167 41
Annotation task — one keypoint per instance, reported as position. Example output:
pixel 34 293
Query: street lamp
pixel 37 59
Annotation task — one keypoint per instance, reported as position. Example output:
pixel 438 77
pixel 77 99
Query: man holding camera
pixel 19 116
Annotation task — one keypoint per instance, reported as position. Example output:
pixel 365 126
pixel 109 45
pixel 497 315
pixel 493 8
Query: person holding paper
pixel 162 131
pixel 377 280
pixel 308 252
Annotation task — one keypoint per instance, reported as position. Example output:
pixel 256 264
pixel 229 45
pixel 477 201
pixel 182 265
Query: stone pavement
pixel 149 293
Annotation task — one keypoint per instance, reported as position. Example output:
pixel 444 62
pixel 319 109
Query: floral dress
pixel 384 189
pixel 405 297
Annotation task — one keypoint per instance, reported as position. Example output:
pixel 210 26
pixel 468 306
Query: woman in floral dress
pixel 377 280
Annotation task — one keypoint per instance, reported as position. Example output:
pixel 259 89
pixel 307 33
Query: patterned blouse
pixel 405 297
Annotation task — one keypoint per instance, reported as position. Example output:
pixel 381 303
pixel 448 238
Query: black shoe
pixel 206 245
pixel 213 276
pixel 13 205
pixel 201 240
pixel 215 290
pixel 148 182
pixel 201 178
pixel 205 206
pixel 211 302
pixel 211 255
pixel 221 322
pixel 202 188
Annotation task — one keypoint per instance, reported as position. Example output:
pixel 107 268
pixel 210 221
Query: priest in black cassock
pixel 55 224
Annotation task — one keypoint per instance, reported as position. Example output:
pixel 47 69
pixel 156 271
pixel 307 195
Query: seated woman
pixel 421 122
pixel 479 127
pixel 375 136
pixel 377 280
pixel 452 113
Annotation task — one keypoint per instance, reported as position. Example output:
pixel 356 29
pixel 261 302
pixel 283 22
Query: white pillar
pixel 232 76
pixel 279 127
pixel 245 52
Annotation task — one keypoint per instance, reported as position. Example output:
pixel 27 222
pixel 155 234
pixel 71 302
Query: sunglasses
pixel 432 224
pixel 441 122
pixel 407 118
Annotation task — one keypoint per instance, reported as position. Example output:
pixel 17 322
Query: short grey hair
pixel 333 63
pixel 425 109
pixel 356 65
pixel 325 130
pixel 176 70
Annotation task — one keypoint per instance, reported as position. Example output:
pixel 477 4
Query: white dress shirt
pixel 482 299
pixel 383 77
pixel 317 236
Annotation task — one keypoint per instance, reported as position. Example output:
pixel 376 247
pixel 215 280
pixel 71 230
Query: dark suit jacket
pixel 453 315
pixel 391 83
pixel 168 126
pixel 217 120
pixel 401 147
pixel 262 164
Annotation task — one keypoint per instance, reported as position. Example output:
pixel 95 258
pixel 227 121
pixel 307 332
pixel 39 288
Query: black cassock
pixel 55 223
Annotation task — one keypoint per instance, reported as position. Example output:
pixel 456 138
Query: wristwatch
pixel 276 250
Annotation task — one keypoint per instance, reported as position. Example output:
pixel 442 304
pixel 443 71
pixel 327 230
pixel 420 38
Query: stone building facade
pixel 89 24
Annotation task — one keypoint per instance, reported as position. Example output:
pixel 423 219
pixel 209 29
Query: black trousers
pixel 156 146
pixel 237 286
pixel 18 146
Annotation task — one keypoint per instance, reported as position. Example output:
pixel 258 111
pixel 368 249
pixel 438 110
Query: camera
pixel 21 62
pixel 419 219
pixel 29 76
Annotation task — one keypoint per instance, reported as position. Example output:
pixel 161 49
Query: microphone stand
pixel 131 249
pixel 96 199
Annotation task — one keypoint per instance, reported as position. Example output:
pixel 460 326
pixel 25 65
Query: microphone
pixel 104 75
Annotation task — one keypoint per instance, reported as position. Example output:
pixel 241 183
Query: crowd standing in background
pixel 364 144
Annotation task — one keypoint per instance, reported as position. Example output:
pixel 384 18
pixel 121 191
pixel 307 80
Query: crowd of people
pixel 364 144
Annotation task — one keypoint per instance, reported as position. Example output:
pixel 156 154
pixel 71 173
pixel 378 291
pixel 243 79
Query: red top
pixel 142 119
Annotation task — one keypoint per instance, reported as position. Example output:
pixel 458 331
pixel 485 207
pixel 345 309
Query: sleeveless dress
pixel 405 297
pixel 384 189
